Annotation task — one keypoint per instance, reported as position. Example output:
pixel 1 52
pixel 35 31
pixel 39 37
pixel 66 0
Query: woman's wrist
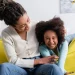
pixel 36 61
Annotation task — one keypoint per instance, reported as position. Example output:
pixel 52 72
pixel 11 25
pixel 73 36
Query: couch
pixel 3 57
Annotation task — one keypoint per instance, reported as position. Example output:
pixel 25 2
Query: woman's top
pixel 16 48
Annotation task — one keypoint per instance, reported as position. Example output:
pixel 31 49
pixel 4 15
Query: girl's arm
pixel 63 55
pixel 44 51
pixel 70 37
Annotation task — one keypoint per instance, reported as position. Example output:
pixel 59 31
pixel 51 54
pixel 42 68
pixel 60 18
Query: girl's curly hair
pixel 55 24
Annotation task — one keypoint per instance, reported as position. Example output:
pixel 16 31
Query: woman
pixel 50 35
pixel 21 45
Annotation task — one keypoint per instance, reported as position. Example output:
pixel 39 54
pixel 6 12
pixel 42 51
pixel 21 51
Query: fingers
pixel 54 59
pixel 49 59
pixel 55 56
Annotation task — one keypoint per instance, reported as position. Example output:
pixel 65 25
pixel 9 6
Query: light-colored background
pixel 45 10
pixel 67 6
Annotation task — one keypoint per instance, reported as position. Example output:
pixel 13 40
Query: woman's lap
pixel 47 69
pixel 10 69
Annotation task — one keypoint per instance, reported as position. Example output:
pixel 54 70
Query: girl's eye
pixel 47 38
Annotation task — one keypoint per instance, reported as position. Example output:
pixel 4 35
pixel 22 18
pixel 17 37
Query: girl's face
pixel 51 39
pixel 23 23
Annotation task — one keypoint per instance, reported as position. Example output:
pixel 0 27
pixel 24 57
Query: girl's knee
pixel 52 67
pixel 55 67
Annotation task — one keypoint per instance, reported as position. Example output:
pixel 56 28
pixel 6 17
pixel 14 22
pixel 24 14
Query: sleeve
pixel 70 37
pixel 12 55
pixel 63 55
pixel 44 51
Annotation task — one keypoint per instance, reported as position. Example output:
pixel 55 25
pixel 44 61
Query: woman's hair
pixel 10 12
pixel 3 3
pixel 55 24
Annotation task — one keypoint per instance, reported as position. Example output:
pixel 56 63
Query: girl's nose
pixel 51 41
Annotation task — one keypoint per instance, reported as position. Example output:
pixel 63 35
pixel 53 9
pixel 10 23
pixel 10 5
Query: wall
pixel 40 9
pixel 45 10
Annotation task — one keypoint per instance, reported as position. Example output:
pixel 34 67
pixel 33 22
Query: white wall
pixel 45 10
pixel 40 9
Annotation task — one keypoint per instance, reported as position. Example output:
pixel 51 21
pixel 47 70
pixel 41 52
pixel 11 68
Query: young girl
pixel 50 35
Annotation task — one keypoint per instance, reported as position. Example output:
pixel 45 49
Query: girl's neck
pixel 56 51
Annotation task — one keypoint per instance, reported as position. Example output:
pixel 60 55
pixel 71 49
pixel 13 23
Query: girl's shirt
pixel 62 53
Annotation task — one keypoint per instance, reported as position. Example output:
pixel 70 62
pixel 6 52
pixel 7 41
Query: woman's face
pixel 23 23
pixel 51 39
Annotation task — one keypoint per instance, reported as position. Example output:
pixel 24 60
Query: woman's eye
pixel 23 25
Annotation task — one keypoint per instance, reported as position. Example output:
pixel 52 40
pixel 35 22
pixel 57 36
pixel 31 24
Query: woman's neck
pixel 22 34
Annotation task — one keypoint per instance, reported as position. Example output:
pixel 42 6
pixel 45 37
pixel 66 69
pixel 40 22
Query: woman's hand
pixel 48 59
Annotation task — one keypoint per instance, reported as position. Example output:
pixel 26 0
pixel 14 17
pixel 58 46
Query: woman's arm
pixel 63 55
pixel 47 59
pixel 12 54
